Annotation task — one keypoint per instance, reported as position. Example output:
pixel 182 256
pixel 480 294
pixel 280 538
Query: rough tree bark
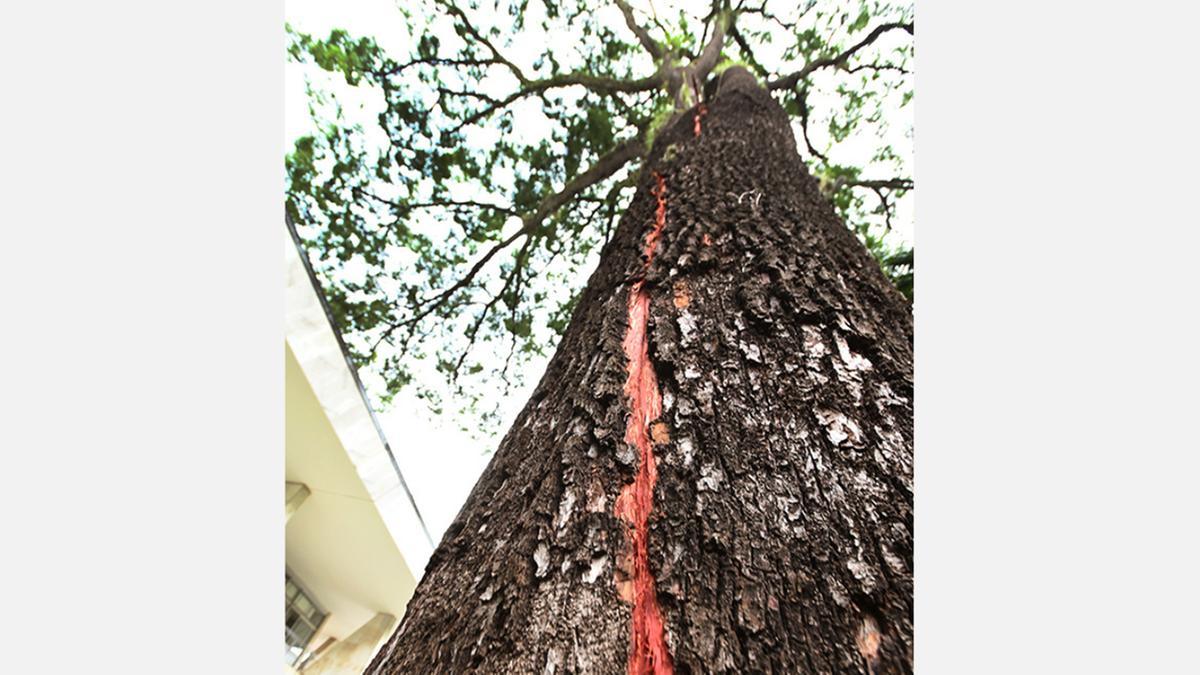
pixel 715 472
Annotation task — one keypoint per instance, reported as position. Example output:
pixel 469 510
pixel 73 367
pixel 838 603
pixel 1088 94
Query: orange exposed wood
pixel 701 111
pixel 648 651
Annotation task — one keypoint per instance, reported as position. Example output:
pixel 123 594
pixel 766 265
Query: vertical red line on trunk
pixel 701 111
pixel 648 652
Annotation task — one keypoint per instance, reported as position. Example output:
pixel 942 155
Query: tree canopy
pixel 453 234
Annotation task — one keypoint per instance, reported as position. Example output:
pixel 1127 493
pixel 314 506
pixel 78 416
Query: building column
pixel 294 495
pixel 353 654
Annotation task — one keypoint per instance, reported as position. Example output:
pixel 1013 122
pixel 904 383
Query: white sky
pixel 440 463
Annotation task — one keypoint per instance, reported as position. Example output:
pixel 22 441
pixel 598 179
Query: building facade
pixel 356 542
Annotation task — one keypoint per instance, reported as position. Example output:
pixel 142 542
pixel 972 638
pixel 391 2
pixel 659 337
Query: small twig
pixel 496 56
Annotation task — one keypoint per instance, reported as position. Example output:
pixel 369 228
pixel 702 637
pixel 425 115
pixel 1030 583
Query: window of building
pixel 302 619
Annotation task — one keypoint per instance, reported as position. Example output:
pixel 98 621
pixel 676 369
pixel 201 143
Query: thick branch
pixel 603 168
pixel 789 81
pixel 692 75
pixel 598 84
pixel 610 217
pixel 712 50
pixel 642 34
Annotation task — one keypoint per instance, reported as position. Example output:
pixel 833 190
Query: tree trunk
pixel 715 472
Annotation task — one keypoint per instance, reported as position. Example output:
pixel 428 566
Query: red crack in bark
pixel 701 111
pixel 648 650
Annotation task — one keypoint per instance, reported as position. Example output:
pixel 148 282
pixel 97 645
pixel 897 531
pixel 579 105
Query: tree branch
pixel 643 36
pixel 610 217
pixel 878 67
pixel 878 187
pixel 448 203
pixel 790 27
pixel 463 93
pixel 749 54
pixel 436 61
pixel 604 167
pixel 789 81
pixel 712 50
pixel 889 183
pixel 603 85
pixel 694 74
pixel 884 207
pixel 519 261
pixel 802 101
pixel 496 55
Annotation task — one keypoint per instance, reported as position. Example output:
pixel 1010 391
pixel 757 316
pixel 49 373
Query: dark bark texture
pixel 780 533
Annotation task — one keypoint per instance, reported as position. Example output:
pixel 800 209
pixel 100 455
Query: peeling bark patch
pixel 596 568
pixel 648 648
pixel 541 558
pixel 564 509
pixel 868 640
pixel 597 500
pixel 659 433
pixel 687 450
pixel 710 478
pixel 687 328
pixel 814 347
pixel 840 428
pixel 852 360
pixel 751 350
pixel 682 294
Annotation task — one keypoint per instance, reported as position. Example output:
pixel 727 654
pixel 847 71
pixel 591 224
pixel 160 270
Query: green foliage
pixel 664 110
pixel 471 128
pixel 339 53
pixel 727 63
pixel 899 267
pixel 895 260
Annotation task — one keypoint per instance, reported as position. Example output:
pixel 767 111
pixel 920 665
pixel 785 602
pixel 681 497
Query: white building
pixel 356 543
